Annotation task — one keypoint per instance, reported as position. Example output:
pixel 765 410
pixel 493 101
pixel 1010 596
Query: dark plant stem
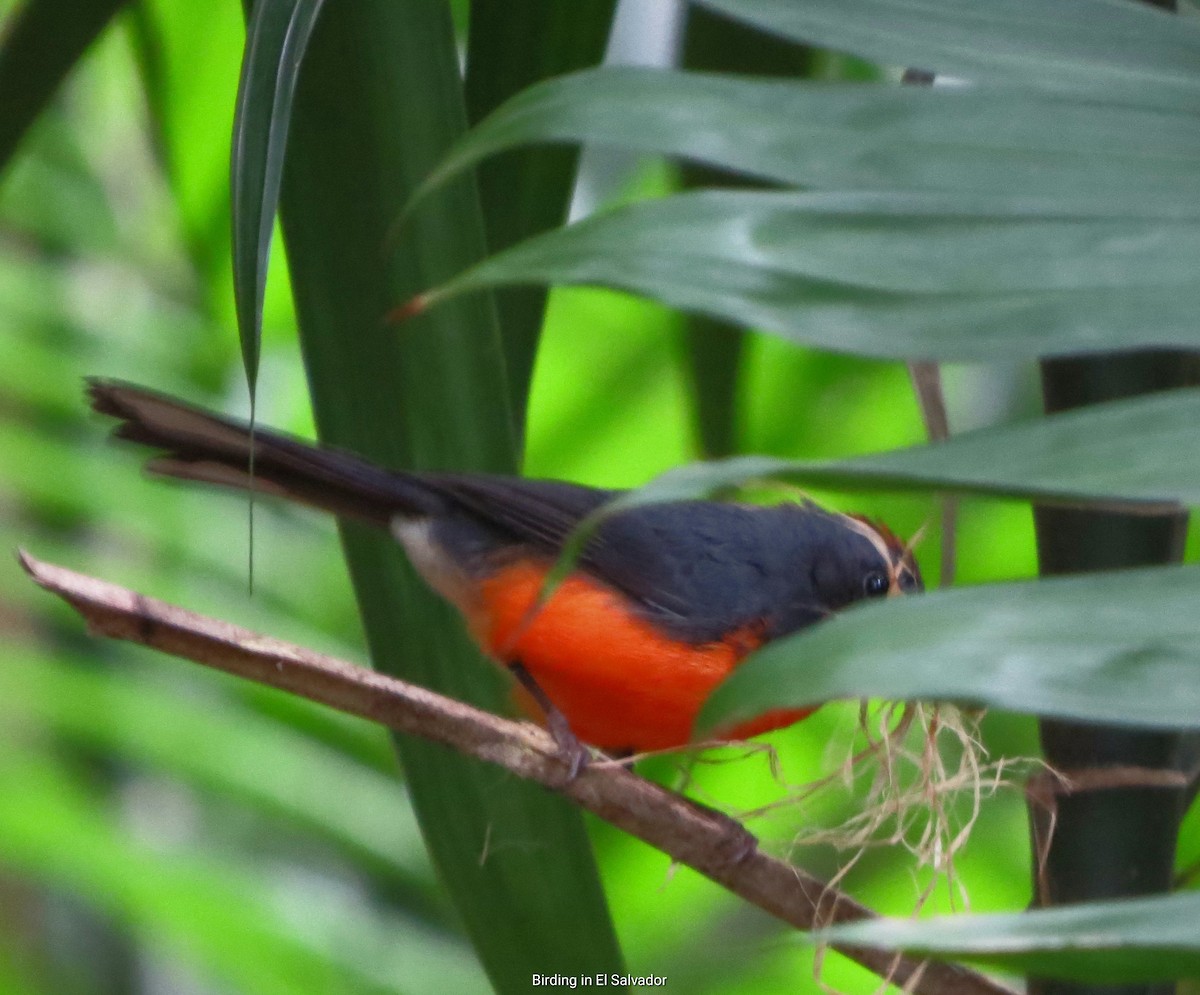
pixel 1107 842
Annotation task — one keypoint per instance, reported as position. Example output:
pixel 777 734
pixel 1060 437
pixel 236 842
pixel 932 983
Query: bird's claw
pixel 573 754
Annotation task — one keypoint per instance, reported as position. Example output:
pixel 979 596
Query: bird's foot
pixel 574 755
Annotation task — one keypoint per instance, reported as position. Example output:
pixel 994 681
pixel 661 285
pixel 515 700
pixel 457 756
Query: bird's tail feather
pixel 198 445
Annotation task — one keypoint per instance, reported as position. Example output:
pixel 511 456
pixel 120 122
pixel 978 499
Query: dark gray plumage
pixel 699 569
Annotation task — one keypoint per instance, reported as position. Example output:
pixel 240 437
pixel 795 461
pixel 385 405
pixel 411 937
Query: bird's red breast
pixel 620 682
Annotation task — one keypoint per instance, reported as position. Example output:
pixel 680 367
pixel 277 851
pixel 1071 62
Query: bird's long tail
pixel 198 445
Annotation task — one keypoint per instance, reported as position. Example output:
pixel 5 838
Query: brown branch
pixel 1070 781
pixel 706 840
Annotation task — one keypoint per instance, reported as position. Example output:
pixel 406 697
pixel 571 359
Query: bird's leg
pixel 573 753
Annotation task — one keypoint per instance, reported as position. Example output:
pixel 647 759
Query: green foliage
pixel 1064 149
pixel 1106 942
pixel 258 844
pixel 1139 455
pixel 1078 45
pixel 514 859
pixel 939 276
pixel 1074 647
pixel 277 36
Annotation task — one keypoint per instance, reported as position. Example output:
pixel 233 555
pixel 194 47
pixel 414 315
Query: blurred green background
pixel 164 829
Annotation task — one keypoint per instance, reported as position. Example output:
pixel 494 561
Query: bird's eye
pixel 875 584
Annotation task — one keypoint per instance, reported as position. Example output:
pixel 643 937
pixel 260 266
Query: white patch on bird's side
pixel 433 563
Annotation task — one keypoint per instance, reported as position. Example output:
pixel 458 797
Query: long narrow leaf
pixel 1143 453
pixel 1111 46
pixel 515 861
pixel 1073 150
pixel 1120 647
pixel 276 38
pixel 890 275
pixel 1141 449
pixel 1146 939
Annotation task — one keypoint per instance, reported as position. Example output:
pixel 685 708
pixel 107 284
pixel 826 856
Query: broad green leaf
pixel 890 275
pixel 41 44
pixel 1121 48
pixel 1140 939
pixel 1120 647
pixel 1072 150
pixel 276 37
pixel 514 859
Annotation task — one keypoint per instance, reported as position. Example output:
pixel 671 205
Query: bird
pixel 661 604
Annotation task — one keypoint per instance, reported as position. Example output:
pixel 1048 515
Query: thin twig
pixel 931 398
pixel 708 841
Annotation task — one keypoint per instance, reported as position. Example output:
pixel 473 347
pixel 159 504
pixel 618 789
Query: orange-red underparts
pixel 620 683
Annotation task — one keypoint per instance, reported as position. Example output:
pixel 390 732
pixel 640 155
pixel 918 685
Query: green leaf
pixel 1120 647
pixel 514 859
pixel 1141 455
pixel 1140 449
pixel 890 275
pixel 1071 150
pixel 276 38
pixel 41 45
pixel 1142 939
pixel 1113 46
